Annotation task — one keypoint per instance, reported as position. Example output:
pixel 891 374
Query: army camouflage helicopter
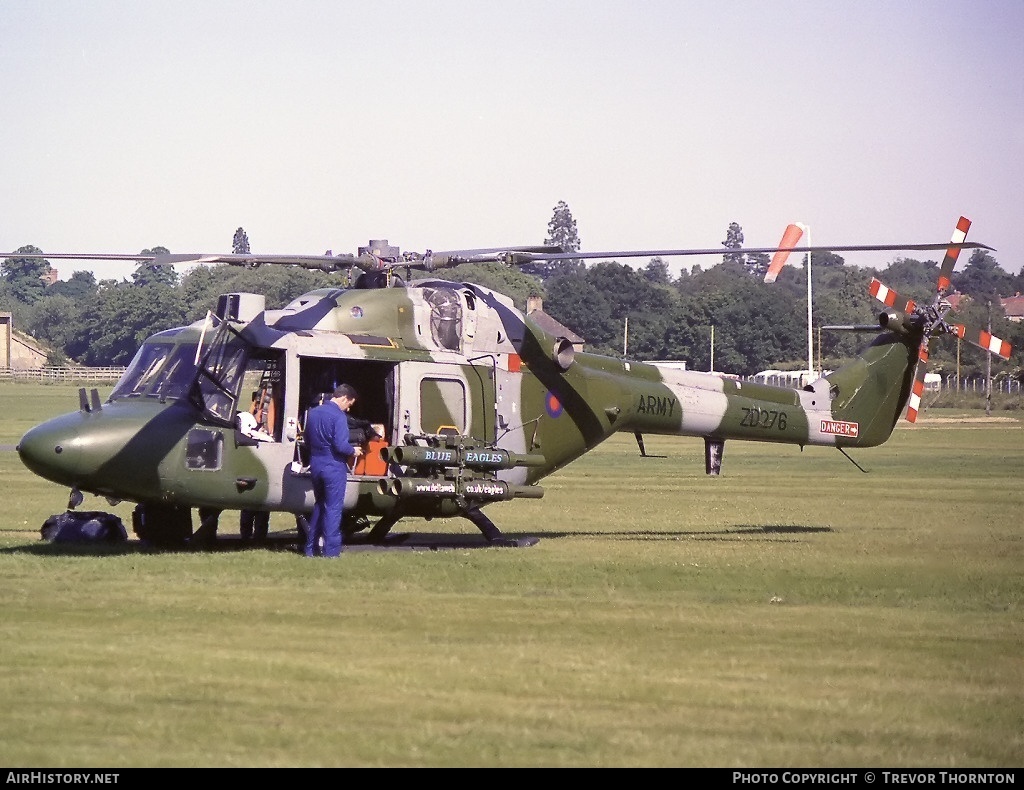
pixel 472 400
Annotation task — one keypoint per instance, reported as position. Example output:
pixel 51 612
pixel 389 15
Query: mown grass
pixel 954 399
pixel 793 612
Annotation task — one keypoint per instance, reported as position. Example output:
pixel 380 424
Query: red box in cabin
pixel 371 462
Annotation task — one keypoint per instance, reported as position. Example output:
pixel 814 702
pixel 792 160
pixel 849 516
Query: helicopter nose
pixel 53 450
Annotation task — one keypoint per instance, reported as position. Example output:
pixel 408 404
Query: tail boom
pixel 857 406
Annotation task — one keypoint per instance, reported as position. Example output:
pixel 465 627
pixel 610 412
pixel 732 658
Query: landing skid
pixel 380 537
pixel 170 528
pixel 490 532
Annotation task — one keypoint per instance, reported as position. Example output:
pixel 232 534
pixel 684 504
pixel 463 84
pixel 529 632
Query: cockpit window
pixel 176 376
pixel 219 377
pixel 445 317
pixel 163 370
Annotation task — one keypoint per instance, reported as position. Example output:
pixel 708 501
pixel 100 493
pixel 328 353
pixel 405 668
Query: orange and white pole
pixel 793 234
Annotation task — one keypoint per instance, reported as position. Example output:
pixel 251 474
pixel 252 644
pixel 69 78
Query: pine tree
pixel 240 243
pixel 756 263
pixel 562 229
pixel 562 234
pixel 733 241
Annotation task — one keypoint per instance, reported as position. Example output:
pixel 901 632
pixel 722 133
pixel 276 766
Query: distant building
pixel 51 276
pixel 1013 306
pixel 955 298
pixel 535 309
pixel 17 350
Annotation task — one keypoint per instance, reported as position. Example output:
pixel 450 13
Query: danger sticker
pixel 840 427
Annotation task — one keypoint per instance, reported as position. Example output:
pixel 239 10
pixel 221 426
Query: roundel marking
pixel 553 405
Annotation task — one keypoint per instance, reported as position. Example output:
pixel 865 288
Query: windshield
pixel 159 370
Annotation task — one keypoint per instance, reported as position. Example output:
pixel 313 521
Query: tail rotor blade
pixel 952 253
pixel 917 390
pixel 889 297
pixel 990 342
pixel 930 318
pixel 981 338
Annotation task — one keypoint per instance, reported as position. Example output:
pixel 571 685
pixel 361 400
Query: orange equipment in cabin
pixel 371 462
pixel 264 408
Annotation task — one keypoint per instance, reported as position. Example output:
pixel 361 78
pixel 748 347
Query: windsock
pixel 789 239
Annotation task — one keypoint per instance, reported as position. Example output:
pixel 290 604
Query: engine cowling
pixel 901 323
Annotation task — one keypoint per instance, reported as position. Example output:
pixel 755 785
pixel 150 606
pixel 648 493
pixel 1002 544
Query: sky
pixel 449 124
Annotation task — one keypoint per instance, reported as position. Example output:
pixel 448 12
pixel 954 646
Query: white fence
pixel 1006 385
pixel 788 378
pixel 61 375
pixel 933 382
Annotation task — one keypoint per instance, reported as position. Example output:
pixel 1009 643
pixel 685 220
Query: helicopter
pixel 471 401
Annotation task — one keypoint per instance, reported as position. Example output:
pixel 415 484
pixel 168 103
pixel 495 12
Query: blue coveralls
pixel 329 448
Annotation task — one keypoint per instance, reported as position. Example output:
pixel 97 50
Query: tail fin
pixel 872 391
pixel 875 389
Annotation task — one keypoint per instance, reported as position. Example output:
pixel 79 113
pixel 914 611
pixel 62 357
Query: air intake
pixel 240 306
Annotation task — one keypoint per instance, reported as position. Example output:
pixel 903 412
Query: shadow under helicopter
pixel 737 532
pixel 277 542
pixel 418 541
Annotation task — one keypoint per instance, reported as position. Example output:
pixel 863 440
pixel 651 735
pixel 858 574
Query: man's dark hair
pixel 346 391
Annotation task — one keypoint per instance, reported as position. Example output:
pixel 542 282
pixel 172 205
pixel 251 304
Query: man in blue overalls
pixel 329 450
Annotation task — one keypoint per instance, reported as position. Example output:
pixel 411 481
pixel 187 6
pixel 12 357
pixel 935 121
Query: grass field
pixel 795 612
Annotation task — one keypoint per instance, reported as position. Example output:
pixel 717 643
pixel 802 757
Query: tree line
pixel 754 325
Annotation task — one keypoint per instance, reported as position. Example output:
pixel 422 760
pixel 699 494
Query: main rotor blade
pixel 853 328
pixel 538 248
pixel 329 263
pixel 531 257
pixel 78 256
pixel 508 255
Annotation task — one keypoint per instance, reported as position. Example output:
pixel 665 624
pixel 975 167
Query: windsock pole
pixel 810 312
pixel 793 233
